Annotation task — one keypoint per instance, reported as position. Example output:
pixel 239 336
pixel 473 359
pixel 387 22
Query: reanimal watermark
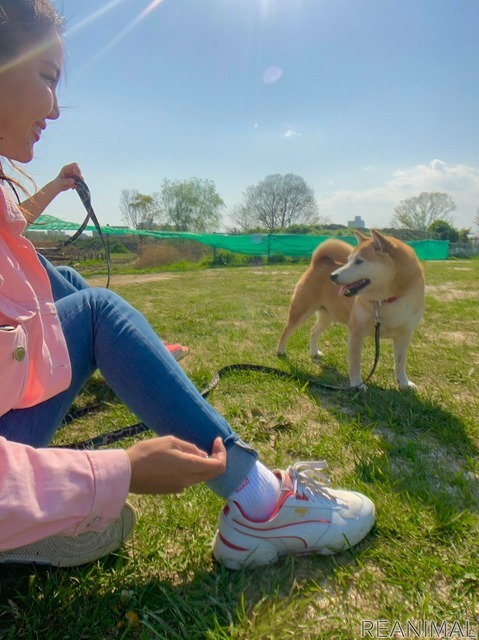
pixel 439 630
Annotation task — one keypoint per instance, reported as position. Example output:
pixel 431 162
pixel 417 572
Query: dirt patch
pixel 460 337
pixel 447 292
pixel 125 279
pixel 269 273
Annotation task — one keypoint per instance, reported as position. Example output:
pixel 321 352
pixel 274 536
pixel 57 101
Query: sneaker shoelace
pixel 308 478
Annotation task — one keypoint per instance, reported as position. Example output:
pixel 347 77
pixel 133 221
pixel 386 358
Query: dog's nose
pixel 334 276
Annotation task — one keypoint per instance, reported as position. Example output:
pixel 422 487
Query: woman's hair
pixel 23 24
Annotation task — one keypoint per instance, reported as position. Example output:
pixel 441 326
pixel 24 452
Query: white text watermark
pixel 439 630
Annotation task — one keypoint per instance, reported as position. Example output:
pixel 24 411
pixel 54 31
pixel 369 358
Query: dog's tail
pixel 331 255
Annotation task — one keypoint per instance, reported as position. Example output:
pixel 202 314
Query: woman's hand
pixel 170 465
pixel 36 205
pixel 64 179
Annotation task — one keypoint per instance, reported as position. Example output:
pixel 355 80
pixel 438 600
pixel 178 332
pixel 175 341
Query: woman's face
pixel 28 98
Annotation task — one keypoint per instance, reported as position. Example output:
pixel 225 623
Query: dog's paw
pixel 281 354
pixel 358 386
pixel 317 355
pixel 407 386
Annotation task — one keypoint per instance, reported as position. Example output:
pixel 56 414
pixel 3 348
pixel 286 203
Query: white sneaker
pixel 310 518
pixel 72 551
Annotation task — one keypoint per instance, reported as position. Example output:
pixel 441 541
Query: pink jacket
pixel 34 362
pixel 43 491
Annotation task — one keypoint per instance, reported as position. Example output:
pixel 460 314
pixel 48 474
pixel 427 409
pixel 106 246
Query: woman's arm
pixel 46 492
pixel 33 207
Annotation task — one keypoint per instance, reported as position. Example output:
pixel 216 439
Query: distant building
pixel 357 223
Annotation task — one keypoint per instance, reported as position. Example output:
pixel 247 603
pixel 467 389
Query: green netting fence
pixel 260 244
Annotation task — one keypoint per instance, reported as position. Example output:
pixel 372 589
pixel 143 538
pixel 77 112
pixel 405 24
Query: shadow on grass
pixel 405 413
pixel 92 399
pixel 425 452
pixel 111 599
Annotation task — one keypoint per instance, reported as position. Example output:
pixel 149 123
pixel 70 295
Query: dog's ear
pixel 360 236
pixel 380 242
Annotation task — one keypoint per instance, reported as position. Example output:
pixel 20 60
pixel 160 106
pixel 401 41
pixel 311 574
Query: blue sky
pixel 370 101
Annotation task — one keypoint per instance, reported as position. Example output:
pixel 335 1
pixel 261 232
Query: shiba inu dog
pixel 347 285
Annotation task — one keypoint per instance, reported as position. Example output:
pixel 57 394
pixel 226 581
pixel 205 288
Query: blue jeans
pixel 104 332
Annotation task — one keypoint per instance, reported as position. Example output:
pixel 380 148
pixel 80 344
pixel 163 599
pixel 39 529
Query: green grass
pixel 415 455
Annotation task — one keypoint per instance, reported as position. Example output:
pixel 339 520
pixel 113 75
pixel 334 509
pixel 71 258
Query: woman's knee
pixel 73 277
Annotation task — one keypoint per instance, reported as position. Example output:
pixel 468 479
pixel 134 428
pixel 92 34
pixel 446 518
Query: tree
pixel 191 205
pixel 138 210
pixel 419 213
pixel 275 203
pixel 442 230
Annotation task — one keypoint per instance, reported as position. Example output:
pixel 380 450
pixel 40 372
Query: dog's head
pixel 369 266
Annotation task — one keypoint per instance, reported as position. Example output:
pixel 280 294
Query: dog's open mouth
pixel 353 288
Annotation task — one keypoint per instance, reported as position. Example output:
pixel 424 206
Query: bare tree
pixel 275 203
pixel 138 210
pixel 243 217
pixel 419 213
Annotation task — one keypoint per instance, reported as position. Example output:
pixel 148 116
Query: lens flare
pixel 272 75
pixel 93 16
pixel 141 16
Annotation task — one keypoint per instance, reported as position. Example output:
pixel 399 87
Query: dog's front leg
pixel 401 345
pixel 355 345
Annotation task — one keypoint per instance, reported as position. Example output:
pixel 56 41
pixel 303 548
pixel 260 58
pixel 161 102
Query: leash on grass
pixel 109 438
pixel 85 197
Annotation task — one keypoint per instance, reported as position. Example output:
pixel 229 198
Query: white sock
pixel 258 494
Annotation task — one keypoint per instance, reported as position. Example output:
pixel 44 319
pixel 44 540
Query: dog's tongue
pixel 346 287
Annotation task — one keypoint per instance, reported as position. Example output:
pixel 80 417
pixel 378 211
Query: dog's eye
pixel 358 261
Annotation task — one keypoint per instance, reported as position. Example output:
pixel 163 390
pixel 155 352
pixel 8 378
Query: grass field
pixel 415 455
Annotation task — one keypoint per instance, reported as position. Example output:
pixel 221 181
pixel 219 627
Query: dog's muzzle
pixel 351 289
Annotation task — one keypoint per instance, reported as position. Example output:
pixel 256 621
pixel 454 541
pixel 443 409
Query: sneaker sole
pixel 66 551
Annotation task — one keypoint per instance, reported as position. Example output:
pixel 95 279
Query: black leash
pixel 109 438
pixel 85 196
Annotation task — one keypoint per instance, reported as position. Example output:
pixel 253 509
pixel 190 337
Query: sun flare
pixel 124 32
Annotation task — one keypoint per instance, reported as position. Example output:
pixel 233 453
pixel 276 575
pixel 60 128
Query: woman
pixel 63 507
